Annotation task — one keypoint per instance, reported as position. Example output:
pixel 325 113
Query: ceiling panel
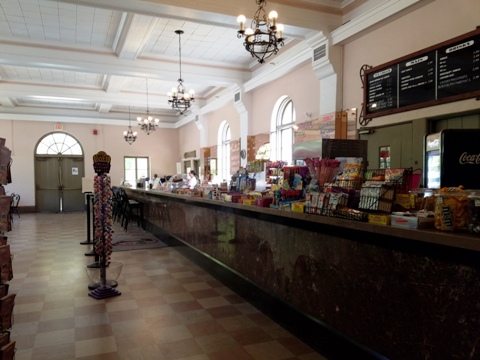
pixel 97 55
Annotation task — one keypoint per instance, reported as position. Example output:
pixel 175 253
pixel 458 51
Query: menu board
pixel 443 73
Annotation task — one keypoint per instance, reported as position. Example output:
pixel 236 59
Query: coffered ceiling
pixel 91 61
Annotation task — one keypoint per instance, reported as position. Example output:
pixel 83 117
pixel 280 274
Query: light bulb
pixel 273 15
pixel 241 20
pixel 279 31
pixel 249 35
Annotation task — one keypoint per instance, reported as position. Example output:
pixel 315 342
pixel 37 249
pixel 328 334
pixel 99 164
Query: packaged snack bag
pixel 451 209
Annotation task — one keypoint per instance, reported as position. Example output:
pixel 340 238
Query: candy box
pixel 379 219
pixel 298 206
pixel 249 202
pixel 264 201
pixel 412 222
pixel 404 202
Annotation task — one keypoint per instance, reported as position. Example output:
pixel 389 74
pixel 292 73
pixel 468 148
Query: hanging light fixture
pixel 129 135
pixel 264 36
pixel 147 124
pixel 178 98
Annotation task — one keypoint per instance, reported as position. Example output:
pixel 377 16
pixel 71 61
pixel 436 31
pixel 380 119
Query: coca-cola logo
pixel 473 159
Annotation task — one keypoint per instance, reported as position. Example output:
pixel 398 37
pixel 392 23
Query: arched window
pixel 224 138
pixel 58 143
pixel 281 130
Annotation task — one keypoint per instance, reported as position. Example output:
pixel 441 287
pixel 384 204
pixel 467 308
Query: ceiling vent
pixel 197 123
pixel 236 97
pixel 319 53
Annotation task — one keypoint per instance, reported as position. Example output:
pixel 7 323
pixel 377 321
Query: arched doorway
pixel 59 169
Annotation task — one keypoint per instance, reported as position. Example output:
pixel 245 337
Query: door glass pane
pixel 384 157
pixel 142 167
pixel 287 114
pixel 287 141
pixel 130 177
pixel 130 170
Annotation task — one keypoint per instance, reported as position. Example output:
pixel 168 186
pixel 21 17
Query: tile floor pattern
pixel 169 308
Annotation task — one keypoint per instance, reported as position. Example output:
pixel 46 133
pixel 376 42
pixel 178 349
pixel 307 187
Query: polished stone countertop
pixel 461 240
pixel 401 293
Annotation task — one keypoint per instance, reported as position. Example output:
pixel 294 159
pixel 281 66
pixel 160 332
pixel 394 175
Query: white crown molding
pixel 279 66
pixel 382 11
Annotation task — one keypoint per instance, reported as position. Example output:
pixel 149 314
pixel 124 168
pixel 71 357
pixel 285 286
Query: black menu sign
pixel 382 90
pixel 447 72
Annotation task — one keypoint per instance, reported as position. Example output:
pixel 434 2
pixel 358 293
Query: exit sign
pixel 58 126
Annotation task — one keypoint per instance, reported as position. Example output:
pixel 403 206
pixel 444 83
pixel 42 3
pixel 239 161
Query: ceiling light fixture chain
pixel 148 124
pixel 178 98
pixel 264 35
pixel 129 135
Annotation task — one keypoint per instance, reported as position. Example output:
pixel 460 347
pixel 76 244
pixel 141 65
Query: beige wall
pixel 188 140
pixel 22 137
pixel 301 85
pixel 227 113
pixel 433 23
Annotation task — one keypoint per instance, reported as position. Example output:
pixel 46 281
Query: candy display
pixel 103 217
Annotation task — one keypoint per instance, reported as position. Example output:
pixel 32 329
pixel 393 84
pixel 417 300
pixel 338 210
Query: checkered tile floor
pixel 169 308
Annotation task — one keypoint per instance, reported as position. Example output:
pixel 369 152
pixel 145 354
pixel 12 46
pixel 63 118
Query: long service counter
pixel 346 287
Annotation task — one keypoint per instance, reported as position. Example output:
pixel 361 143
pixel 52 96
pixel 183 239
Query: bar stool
pixel 14 205
pixel 132 211
pixel 117 210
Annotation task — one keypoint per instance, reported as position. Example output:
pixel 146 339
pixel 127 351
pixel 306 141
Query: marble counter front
pixel 398 293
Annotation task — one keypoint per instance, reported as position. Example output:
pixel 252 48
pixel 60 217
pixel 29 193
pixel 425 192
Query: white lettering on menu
pixel 469 159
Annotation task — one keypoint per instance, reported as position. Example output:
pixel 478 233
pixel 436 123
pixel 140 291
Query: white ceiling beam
pixel 107 63
pixel 6 102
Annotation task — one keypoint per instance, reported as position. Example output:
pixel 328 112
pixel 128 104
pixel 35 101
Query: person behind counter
pixel 155 182
pixel 192 181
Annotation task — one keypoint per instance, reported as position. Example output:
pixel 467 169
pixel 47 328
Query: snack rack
pixel 340 198
pixel 379 195
pixel 360 197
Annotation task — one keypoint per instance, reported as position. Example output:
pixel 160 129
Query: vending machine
pixel 452 158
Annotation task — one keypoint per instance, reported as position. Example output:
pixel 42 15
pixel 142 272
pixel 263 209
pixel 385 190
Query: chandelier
pixel 178 98
pixel 264 36
pixel 129 135
pixel 147 124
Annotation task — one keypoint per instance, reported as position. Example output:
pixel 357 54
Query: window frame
pixel 138 172
pixel 64 143
pixel 279 148
pixel 225 138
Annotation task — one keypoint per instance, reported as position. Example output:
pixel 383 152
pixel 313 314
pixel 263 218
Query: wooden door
pixel 59 184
